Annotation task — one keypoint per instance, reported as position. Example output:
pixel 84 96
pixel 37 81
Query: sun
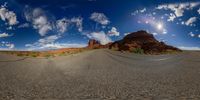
pixel 159 26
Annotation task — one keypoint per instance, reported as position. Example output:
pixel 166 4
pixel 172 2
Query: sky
pixel 54 24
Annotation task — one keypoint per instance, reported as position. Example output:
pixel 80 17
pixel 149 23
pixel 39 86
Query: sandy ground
pixel 101 75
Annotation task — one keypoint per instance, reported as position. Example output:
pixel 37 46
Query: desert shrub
pixel 26 54
pixel 137 50
pixel 168 51
pixel 19 54
pixel 47 55
pixel 114 49
pixel 62 54
pixel 33 55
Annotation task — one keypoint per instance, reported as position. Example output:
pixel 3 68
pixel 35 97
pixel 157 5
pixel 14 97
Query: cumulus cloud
pixel 190 21
pixel 113 32
pixel 99 36
pixel 41 43
pixel 39 20
pixel 7 15
pixel 48 43
pixel 179 8
pixel 99 18
pixel 45 22
pixel 78 21
pixel 171 17
pixel 6 45
pixel 10 46
pixel 140 11
pixel 2 35
pixel 49 39
pixel 42 25
pixel 63 24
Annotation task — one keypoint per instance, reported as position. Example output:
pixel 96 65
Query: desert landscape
pixel 100 74
pixel 97 72
pixel 99 50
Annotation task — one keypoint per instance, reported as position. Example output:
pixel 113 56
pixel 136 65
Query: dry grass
pixel 47 54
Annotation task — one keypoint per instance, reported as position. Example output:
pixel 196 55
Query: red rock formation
pixel 93 44
pixel 143 41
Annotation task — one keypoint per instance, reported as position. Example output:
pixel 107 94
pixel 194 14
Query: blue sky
pixel 45 24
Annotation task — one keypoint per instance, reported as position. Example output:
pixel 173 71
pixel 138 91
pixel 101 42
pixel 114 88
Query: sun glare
pixel 159 26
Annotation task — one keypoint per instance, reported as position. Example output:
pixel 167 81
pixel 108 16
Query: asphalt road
pixel 101 75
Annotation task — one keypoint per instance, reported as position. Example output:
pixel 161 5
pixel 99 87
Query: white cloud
pixel 164 31
pixel 143 10
pixel 10 46
pixel 99 36
pixel 198 11
pixel 9 28
pixel 199 36
pixel 24 25
pixel 55 46
pixel 2 35
pixel 190 21
pixel 99 18
pixel 41 43
pixel 135 12
pixel 191 34
pixel 155 33
pixel 125 34
pixel 42 25
pixel 194 4
pixel 182 22
pixel 189 48
pixel 48 43
pixel 63 45
pixel 6 45
pixel 140 11
pixel 39 20
pixel 78 21
pixel 63 24
pixel 7 15
pixel 113 32
pixel 171 17
pixel 49 39
pixel 179 8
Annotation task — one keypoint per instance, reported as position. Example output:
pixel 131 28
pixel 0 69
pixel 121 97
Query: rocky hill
pixel 142 42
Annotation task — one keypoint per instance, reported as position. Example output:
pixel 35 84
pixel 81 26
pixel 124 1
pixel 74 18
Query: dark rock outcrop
pixel 144 41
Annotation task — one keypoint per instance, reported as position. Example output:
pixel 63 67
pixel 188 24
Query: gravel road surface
pixel 101 75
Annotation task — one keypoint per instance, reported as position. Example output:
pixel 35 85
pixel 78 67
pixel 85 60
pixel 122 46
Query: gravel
pixel 101 75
